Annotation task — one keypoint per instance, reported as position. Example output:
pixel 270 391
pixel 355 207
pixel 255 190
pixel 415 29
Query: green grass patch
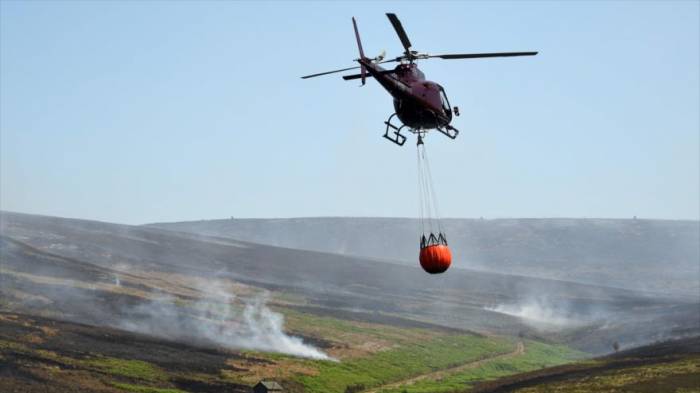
pixel 402 362
pixel 537 355
pixel 136 369
pixel 144 389
pixel 297 320
pixel 351 332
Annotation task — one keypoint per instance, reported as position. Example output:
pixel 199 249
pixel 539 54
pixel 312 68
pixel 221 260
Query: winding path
pixel 435 375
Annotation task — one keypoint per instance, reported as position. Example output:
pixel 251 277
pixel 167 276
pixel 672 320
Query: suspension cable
pixel 420 191
pixel 433 194
pixel 427 199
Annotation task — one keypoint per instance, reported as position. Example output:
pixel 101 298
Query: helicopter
pixel 421 105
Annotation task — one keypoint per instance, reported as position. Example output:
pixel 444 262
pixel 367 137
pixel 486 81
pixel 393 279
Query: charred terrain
pixel 48 355
pixel 92 306
pixel 654 255
pixel 671 366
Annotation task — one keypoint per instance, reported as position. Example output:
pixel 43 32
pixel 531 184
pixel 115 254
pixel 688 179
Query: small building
pixel 267 387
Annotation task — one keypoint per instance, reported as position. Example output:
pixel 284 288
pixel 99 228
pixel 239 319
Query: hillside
pixel 462 299
pixel 634 254
pixel 672 366
pixel 46 355
pixel 109 307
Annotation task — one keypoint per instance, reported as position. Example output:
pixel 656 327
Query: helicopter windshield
pixel 445 102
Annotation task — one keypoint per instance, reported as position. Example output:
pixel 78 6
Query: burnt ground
pixel 96 252
pixel 44 355
pixel 378 318
pixel 655 354
pixel 629 253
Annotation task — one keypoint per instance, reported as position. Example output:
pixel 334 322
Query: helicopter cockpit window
pixel 445 102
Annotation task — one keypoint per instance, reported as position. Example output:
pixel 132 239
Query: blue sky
pixel 137 112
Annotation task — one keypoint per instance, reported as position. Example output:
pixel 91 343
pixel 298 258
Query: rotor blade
pixel 355 76
pixel 396 60
pixel 400 31
pixel 328 72
pixel 358 76
pixel 479 55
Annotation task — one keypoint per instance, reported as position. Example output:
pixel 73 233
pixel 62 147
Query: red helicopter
pixel 420 104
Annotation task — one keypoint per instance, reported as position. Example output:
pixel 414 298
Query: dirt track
pixel 435 375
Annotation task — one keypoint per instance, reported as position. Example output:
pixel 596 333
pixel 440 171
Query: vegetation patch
pixel 144 389
pixel 254 367
pixel 675 376
pixel 352 339
pixel 135 369
pixel 537 355
pixel 401 363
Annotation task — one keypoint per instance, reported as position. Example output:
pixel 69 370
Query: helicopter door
pixel 445 102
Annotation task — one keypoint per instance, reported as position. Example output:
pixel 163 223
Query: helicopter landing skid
pixel 397 137
pixel 449 131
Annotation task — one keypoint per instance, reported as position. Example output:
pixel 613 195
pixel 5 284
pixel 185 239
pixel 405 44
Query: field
pixel 45 355
pixel 402 363
pixel 36 350
pixel 96 307
pixel 534 356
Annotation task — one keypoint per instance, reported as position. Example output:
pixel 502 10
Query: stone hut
pixel 267 387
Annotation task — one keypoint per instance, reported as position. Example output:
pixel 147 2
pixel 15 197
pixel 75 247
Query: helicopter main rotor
pixel 412 55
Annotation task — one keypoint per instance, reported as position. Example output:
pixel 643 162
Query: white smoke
pixel 540 314
pixel 218 319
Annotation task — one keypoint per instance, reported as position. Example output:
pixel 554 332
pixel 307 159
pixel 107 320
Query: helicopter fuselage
pixel 419 103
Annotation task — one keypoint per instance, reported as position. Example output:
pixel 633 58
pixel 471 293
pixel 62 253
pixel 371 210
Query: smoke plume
pixel 542 314
pixel 220 319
